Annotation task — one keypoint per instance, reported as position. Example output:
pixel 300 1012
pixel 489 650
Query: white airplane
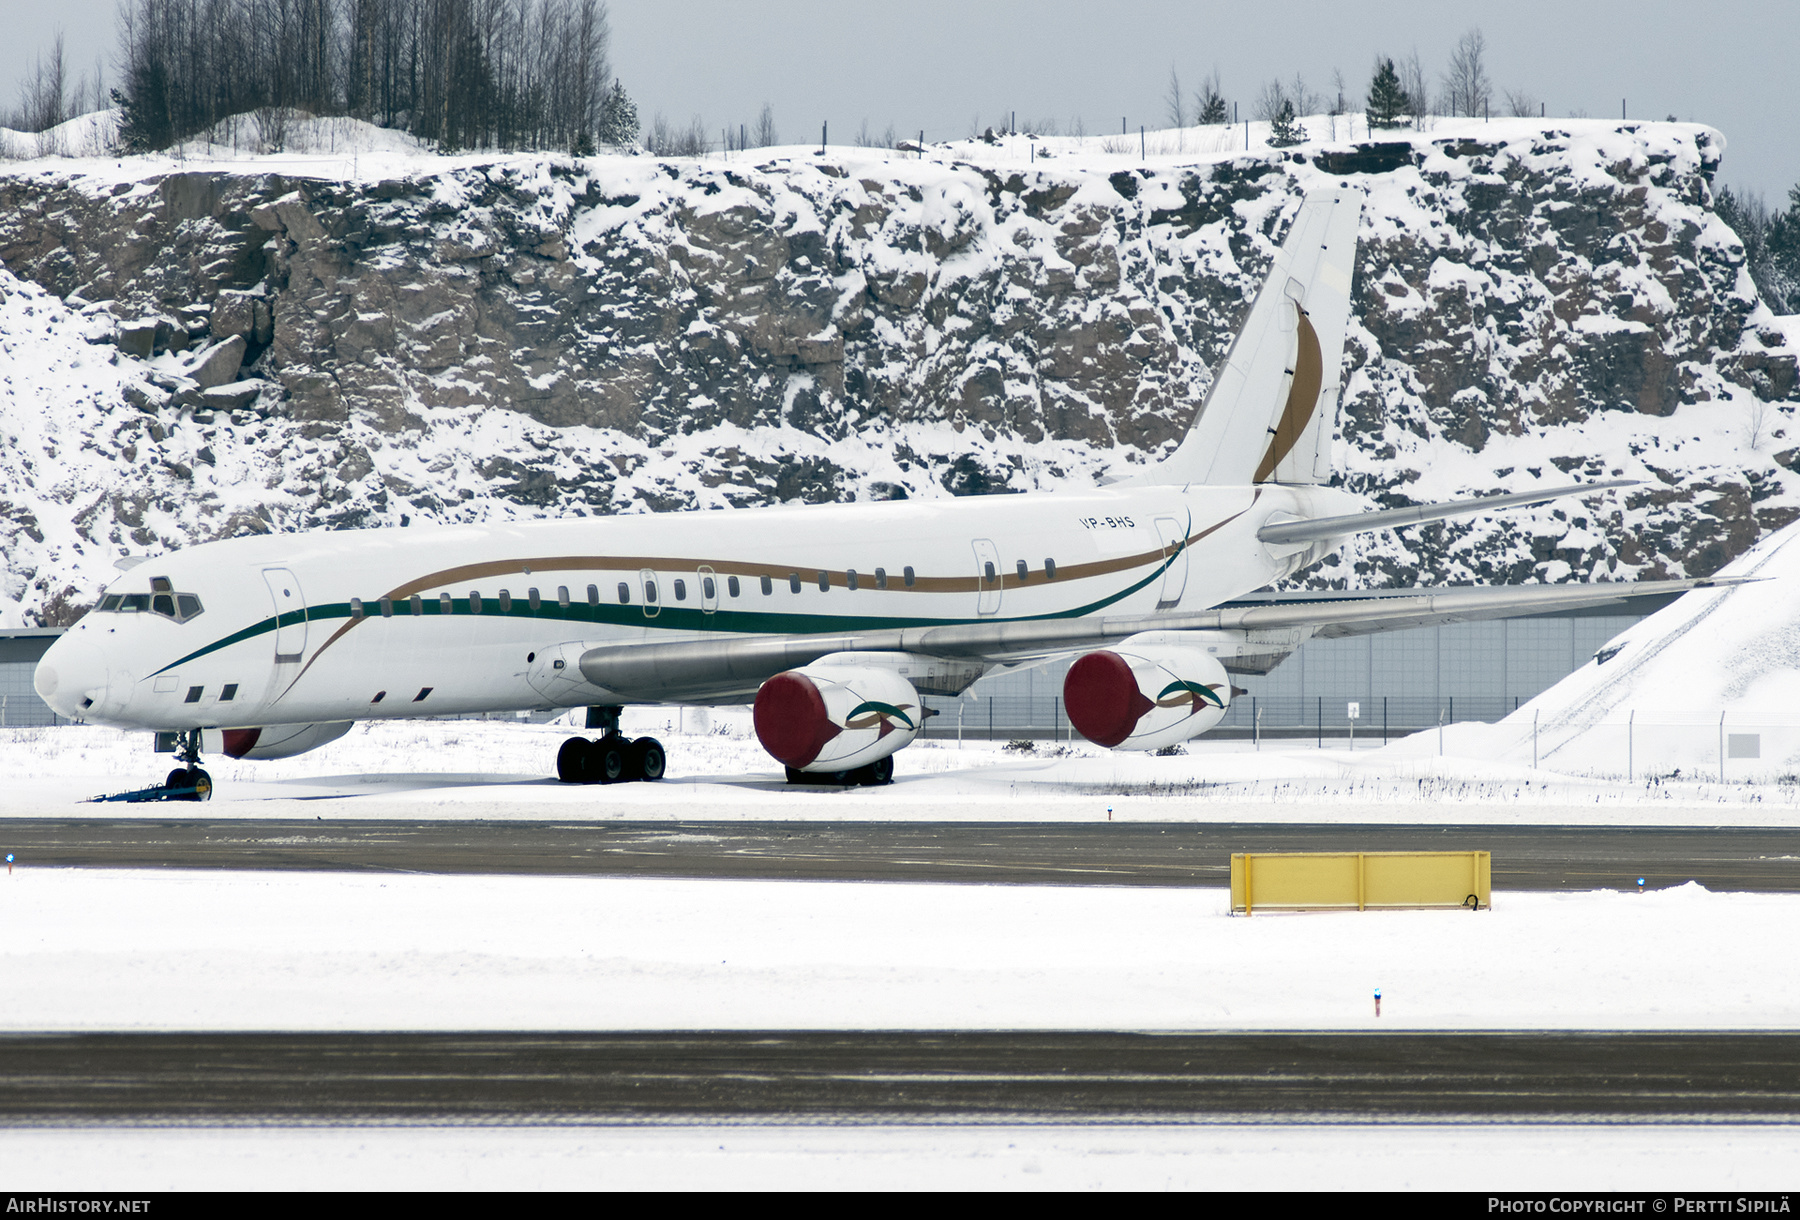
pixel 835 619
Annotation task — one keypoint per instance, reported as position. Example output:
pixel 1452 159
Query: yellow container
pixel 1359 880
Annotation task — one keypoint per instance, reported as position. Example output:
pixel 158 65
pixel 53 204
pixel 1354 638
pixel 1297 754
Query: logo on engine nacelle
pixel 879 714
pixel 1193 694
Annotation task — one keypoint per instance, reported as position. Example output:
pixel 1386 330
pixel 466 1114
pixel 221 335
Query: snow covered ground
pixel 497 770
pixel 1709 685
pixel 106 949
pixel 1560 1157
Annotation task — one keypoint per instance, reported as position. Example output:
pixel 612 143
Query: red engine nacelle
pixel 836 718
pixel 1145 697
pixel 281 740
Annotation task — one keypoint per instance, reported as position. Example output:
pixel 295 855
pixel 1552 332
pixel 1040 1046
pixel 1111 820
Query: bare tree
pixel 1175 101
pixel 1305 100
pixel 1466 88
pixel 1412 83
pixel 1522 105
pixel 44 95
pixel 1272 101
pixel 764 135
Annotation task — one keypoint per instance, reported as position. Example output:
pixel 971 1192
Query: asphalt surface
pixel 626 1077
pixel 1524 857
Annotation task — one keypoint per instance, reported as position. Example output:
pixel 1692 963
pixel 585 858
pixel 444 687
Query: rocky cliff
pixel 192 351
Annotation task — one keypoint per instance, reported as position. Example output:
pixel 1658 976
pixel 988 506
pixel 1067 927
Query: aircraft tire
pixel 202 783
pixel 879 772
pixel 608 761
pixel 796 776
pixel 571 760
pixel 648 759
pixel 178 778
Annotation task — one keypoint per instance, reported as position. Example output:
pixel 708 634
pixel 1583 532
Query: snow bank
pixel 1706 688
pixel 106 949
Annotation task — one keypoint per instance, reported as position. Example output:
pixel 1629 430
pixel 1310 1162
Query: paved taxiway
pixel 898 1076
pixel 1525 857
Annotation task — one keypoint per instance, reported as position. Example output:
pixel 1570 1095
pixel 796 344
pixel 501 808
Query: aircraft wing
pixel 733 668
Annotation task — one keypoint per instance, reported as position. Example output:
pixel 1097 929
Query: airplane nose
pixel 71 677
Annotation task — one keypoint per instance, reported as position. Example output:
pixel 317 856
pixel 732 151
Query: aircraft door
pixel 989 579
pixel 290 614
pixel 648 590
pixel 1174 549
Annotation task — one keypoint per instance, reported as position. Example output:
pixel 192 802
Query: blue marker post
pixel 1640 881
pixel 9 864
pixel 1378 1001
pixel 1108 816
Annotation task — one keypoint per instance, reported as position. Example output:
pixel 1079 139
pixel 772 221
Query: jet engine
pixel 281 740
pixel 1144 696
pixel 837 716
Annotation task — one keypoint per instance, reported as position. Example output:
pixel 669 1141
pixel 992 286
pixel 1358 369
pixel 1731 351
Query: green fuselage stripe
pixel 666 618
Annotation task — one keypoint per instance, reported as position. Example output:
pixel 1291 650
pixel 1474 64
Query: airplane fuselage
pixel 454 620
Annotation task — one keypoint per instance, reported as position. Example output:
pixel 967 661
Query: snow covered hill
pixel 353 332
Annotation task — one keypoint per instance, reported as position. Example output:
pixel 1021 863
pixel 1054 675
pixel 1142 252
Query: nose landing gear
pixel 185 783
pixel 189 782
pixel 613 759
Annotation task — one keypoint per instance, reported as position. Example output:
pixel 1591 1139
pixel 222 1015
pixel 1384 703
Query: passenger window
pixel 824 582
pixel 505 602
pixel 229 692
pixel 731 585
pixel 850 580
pixel 793 582
pixel 1049 569
pixel 387 607
pixel 881 578
pixel 624 594
pixel 768 586
pixel 650 591
pixel 908 574
pixel 681 590
pixel 988 570
pixel 356 607
pixel 594 594
pixel 1022 570
pixel 532 599
pixel 474 601
pixel 708 589
pixel 445 605
pixel 562 596
pixel 416 604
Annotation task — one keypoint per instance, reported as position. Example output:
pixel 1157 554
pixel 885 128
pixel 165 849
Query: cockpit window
pixel 161 600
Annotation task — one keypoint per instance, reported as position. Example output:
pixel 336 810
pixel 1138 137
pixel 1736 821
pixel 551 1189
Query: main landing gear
pixel 614 759
pixel 874 774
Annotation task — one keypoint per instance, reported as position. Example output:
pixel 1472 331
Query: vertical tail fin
pixel 1271 410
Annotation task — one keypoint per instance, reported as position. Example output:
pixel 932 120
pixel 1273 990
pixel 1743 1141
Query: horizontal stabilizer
pixel 1321 528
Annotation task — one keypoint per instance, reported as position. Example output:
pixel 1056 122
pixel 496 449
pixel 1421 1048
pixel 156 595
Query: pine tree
pixel 1387 100
pixel 1212 105
pixel 1284 132
pixel 618 118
